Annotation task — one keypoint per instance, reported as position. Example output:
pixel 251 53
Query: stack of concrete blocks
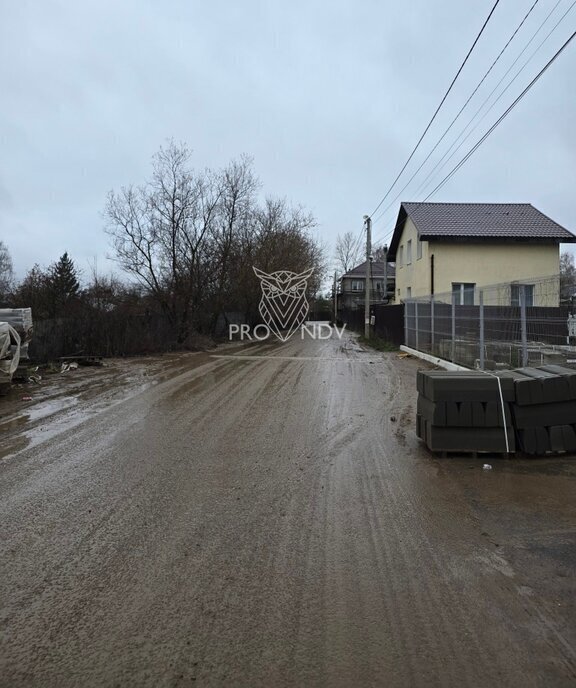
pixel 544 408
pixel 463 412
pixel 468 411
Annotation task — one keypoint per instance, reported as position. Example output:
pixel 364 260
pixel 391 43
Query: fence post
pixel 453 348
pixel 416 325
pixel 406 304
pixel 432 323
pixel 481 301
pixel 523 325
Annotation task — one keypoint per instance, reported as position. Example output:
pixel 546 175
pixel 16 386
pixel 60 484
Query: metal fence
pixel 387 322
pixel 532 322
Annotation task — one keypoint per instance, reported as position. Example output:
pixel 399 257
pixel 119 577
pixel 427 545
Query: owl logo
pixel 283 305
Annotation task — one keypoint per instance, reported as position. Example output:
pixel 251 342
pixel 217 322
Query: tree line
pixel 187 242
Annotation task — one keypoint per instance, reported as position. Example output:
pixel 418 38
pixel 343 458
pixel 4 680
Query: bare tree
pixel 285 243
pixel 34 292
pixel 348 252
pixel 379 253
pixel 159 231
pixel 6 272
pixel 233 225
pixel 191 239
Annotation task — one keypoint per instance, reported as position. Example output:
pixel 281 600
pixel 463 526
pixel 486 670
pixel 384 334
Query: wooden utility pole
pixel 368 223
pixel 335 299
pixel 385 273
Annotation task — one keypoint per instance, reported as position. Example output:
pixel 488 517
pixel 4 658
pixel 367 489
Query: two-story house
pixel 353 285
pixel 455 247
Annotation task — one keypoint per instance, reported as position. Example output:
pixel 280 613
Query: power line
pixel 439 165
pixel 449 154
pixel 460 111
pixel 502 117
pixel 438 108
pixel 359 241
pixel 498 121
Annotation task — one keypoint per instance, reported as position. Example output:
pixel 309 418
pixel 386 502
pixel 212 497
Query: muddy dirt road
pixel 255 518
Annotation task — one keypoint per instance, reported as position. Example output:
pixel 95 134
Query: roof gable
pixel 481 222
pixel 378 270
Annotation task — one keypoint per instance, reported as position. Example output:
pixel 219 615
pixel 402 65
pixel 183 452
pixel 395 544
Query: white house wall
pixel 416 274
pixel 482 264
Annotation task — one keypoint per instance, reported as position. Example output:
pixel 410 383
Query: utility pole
pixel 368 223
pixel 386 273
pixel 335 298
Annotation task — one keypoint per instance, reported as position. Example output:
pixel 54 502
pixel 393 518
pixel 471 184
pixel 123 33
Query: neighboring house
pixel 353 285
pixel 455 247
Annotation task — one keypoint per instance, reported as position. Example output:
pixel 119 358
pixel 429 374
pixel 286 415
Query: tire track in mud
pixel 123 516
pixel 485 649
pixel 429 600
pixel 256 523
pixel 385 566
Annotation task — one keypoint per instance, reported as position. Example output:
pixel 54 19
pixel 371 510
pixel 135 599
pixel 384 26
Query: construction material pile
pixel 464 412
pixel 544 409
pixel 21 320
pixel 533 409
pixel 9 355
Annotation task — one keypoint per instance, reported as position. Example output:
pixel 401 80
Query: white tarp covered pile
pixel 9 352
pixel 21 320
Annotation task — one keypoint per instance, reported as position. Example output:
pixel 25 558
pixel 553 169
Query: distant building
pixel 353 285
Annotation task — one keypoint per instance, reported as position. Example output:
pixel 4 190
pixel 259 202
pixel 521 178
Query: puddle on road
pixel 14 446
pixel 54 410
pixel 14 423
pixel 50 407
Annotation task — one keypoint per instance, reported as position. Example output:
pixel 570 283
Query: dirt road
pixel 255 518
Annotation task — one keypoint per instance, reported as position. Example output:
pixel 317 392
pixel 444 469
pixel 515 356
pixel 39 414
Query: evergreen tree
pixel 63 283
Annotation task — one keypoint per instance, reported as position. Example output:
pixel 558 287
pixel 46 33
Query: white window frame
pixel 357 285
pixel 409 252
pixel 515 294
pixel 461 290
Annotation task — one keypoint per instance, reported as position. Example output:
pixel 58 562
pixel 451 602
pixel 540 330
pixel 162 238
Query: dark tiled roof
pixel 378 270
pixel 481 221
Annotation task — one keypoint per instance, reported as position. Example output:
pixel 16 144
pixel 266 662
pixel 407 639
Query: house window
pixel 378 285
pixel 408 292
pixel 463 293
pixel 400 256
pixel 357 285
pixel 409 252
pixel 528 294
pixel 418 249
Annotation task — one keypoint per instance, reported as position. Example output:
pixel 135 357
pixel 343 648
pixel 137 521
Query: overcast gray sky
pixel 327 97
